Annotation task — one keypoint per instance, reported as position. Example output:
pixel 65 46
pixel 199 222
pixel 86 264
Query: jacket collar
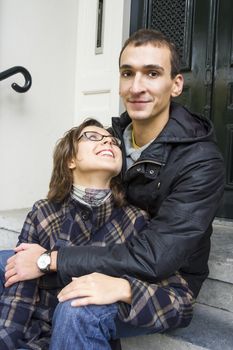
pixel 99 215
pixel 182 127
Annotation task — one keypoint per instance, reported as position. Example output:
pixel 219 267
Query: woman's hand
pixel 23 265
pixel 96 288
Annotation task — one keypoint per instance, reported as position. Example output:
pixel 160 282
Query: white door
pixel 97 72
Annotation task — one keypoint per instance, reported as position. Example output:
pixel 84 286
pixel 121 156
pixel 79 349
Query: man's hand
pixel 23 265
pixel 96 288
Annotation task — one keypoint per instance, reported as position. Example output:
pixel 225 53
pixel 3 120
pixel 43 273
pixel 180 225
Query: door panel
pixel 203 30
pixel 222 110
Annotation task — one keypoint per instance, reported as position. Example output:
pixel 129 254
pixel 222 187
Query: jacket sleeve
pixel 159 306
pixel 172 236
pixel 18 302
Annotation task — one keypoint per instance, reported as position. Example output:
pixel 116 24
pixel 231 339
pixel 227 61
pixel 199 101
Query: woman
pixel 85 206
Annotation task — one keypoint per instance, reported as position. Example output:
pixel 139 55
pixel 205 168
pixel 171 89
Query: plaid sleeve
pixel 160 306
pixel 17 302
pixel 29 232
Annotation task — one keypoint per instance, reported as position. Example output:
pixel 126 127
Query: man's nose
pixel 137 84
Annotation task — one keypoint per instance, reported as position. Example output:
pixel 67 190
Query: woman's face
pixel 96 162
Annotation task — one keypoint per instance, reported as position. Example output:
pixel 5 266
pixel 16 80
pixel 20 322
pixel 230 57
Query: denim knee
pixel 88 327
pixel 89 317
pixel 87 313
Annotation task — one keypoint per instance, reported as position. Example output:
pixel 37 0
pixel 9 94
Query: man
pixel 173 169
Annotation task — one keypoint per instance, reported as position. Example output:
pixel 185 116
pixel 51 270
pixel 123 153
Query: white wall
pixel 55 41
pixel 41 36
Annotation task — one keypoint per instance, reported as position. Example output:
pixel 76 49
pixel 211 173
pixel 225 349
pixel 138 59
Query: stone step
pixel 11 223
pixel 217 294
pixel 210 329
pixel 8 239
pixel 13 220
pixel 221 254
pixel 217 290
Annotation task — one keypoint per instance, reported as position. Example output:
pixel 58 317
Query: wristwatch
pixel 44 261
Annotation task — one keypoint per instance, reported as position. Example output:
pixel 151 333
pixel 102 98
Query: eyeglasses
pixel 95 136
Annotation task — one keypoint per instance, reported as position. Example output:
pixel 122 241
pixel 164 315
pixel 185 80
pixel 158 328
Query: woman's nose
pixel 107 139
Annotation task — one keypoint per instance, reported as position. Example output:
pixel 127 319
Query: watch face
pixel 44 261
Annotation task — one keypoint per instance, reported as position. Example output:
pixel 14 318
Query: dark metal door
pixel 203 30
pixel 222 105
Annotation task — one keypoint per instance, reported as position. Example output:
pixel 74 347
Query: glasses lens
pixel 93 136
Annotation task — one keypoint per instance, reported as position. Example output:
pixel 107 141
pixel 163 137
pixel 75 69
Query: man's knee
pixel 89 315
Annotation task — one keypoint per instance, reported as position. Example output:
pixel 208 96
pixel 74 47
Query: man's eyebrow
pixel 125 66
pixel 147 66
pixel 153 66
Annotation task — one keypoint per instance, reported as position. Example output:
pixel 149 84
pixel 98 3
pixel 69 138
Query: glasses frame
pixel 115 140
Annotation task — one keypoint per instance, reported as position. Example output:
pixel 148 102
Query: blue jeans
pixel 89 327
pixel 4 255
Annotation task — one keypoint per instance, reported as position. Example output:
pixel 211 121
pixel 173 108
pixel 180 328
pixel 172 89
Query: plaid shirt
pixel 26 309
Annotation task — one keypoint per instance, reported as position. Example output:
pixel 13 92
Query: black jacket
pixel 179 180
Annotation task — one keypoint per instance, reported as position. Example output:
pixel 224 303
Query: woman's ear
pixel 71 164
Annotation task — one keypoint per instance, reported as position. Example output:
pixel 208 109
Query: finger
pixel 85 278
pixel 72 286
pixel 9 266
pixel 10 273
pixel 11 260
pixel 12 280
pixel 22 246
pixel 66 290
pixel 82 302
pixel 77 293
pixel 64 295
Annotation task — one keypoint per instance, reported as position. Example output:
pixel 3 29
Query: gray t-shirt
pixel 132 154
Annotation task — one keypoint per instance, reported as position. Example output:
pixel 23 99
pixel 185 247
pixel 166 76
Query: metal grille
pixel 168 16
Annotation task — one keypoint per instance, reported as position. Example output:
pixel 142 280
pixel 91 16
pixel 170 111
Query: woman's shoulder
pixel 136 212
pixel 45 207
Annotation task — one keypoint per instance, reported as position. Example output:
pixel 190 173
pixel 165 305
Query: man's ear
pixel 178 83
pixel 71 164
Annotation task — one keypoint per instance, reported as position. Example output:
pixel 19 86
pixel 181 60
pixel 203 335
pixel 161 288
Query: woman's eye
pixel 93 137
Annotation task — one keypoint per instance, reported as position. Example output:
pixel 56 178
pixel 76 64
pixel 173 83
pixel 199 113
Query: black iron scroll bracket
pixel 14 70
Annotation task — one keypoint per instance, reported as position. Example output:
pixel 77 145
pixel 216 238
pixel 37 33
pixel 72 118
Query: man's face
pixel 146 85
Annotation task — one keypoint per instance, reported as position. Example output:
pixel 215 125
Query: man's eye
pixel 126 74
pixel 153 74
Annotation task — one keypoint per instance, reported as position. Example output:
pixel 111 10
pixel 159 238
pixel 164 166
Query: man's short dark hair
pixel 158 39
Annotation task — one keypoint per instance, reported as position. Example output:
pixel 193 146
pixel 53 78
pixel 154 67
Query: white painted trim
pixel 97 75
